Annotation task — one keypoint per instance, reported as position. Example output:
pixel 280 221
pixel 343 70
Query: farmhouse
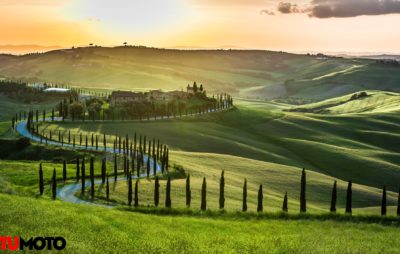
pixel 121 97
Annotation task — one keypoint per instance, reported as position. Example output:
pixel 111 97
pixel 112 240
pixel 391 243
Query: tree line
pixel 133 194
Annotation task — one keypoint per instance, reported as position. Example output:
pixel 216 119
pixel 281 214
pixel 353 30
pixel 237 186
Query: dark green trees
pixel 383 206
pixel 107 190
pixel 136 193
pixel 156 192
pixel 103 170
pixel 41 187
pixel 188 192
pixel 77 169
pixel 64 171
pixel 115 167
pixel 83 176
pixel 92 177
pixel 398 204
pixel 333 199
pixel 303 208
pixel 54 185
pixel 129 189
pixel 168 194
pixel 222 191
pixel 260 199
pixel 285 203
pixel 244 201
pixel 348 198
pixel 204 195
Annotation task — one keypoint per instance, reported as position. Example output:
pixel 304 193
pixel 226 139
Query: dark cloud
pixel 341 8
pixel 286 7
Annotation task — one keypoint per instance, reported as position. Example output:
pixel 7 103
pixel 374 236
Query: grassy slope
pixel 257 74
pixel 375 102
pixel 99 230
pixel 346 147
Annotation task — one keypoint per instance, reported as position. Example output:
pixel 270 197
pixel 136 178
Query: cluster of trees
pixel 140 110
pixel 22 92
pixel 133 194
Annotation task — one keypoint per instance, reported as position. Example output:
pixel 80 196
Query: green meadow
pixel 335 137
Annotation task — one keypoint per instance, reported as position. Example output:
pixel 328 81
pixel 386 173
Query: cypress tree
pixel 148 166
pixel 222 191
pixel 91 177
pixel 154 165
pixel 138 166
pixel 115 167
pixel 260 199
pixel 156 192
pixel 41 187
pixel 303 208
pixel 383 206
pixel 107 190
pixel 54 185
pixel 348 198
pixel 204 195
pixel 244 205
pixel 188 192
pixel 103 170
pixel 333 199
pixel 129 189
pixel 136 193
pixel 168 194
pixel 83 176
pixel 398 204
pixel 285 203
pixel 64 171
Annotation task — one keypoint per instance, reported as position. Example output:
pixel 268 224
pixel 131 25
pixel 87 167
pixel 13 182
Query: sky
pixel 290 25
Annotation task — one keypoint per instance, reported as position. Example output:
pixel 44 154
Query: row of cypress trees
pixel 168 201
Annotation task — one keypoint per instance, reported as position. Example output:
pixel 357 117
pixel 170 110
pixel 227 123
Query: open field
pixel 346 147
pixel 249 73
pixel 97 230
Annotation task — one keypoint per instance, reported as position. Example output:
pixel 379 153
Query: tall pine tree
pixel 303 208
pixel 83 177
pixel 204 195
pixel 41 184
pixel 285 203
pixel 168 194
pixel 54 185
pixel 188 192
pixel 92 177
pixel 348 198
pixel 129 189
pixel 260 199
pixel 136 193
pixel 383 206
pixel 244 204
pixel 333 199
pixel 222 191
pixel 156 192
pixel 107 191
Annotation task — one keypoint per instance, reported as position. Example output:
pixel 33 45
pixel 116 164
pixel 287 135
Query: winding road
pixel 67 192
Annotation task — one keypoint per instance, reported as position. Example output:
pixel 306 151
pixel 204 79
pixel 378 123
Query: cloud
pixel 340 8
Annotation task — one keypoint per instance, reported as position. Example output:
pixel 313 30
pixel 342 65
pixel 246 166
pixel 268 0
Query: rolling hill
pixel 246 73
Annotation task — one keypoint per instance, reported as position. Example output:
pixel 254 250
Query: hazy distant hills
pixel 247 73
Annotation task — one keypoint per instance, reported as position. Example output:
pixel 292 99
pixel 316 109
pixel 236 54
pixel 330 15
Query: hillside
pixel 360 148
pixel 246 73
pixel 363 102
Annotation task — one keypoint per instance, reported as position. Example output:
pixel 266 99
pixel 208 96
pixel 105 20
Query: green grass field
pixel 247 73
pixel 258 141
pixel 90 229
